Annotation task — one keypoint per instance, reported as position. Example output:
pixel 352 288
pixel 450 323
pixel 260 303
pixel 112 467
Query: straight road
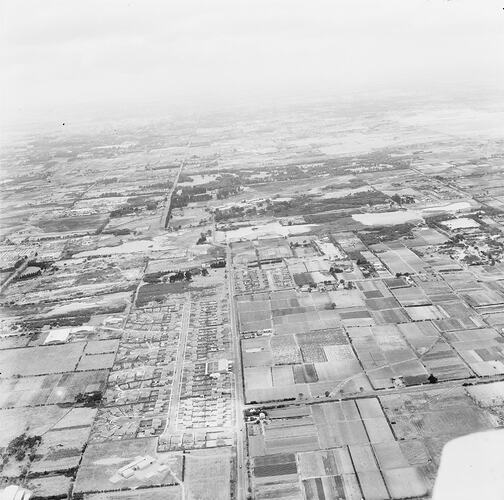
pixel 241 459
pixel 165 218
pixel 445 387
pixel 171 421
pixel 14 275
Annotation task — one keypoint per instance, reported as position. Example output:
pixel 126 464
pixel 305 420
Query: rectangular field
pixel 40 360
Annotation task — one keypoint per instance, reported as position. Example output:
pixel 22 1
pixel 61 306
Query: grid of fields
pixel 387 329
pixel 374 448
pixel 382 332
pixel 343 449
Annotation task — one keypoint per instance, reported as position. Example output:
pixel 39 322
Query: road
pixel 133 301
pixel 241 457
pixel 165 218
pixel 171 420
pixel 444 386
pixel 14 275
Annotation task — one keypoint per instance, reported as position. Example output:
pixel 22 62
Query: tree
pixel 396 198
pixel 89 399
pixel 188 275
pixel 21 445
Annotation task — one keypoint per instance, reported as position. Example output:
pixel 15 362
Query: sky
pixel 63 60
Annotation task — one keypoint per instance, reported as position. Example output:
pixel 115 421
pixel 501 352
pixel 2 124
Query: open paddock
pixel 40 360
pixel 96 361
pixel 50 486
pixel 434 417
pixel 101 462
pixel 60 450
pixel 207 474
pixel 40 420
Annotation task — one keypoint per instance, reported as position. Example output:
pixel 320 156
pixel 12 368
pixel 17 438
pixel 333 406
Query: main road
pixel 165 218
pixel 241 457
pixel 171 420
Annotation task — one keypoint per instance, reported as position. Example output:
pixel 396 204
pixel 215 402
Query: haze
pixel 66 61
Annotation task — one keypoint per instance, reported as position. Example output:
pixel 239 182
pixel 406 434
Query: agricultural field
pixel 379 333
pixel 299 348
pixel 386 447
pixel 433 417
pixel 342 449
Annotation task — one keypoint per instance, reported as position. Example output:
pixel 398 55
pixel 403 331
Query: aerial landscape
pixel 300 298
pixel 242 309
